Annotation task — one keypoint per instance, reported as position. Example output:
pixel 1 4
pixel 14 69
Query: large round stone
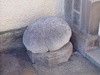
pixel 47 34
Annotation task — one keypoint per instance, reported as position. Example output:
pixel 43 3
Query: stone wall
pixel 84 18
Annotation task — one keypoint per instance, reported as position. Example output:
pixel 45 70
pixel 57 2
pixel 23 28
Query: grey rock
pixel 52 58
pixel 47 34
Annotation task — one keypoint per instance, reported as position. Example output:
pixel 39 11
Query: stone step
pixel 94 57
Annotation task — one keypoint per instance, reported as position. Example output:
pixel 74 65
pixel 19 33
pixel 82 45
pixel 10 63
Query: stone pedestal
pixel 47 41
pixel 53 57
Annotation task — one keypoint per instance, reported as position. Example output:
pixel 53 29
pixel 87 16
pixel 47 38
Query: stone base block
pixel 83 42
pixel 52 58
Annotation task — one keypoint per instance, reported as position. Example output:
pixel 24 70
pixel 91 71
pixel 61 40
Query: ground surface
pixel 17 63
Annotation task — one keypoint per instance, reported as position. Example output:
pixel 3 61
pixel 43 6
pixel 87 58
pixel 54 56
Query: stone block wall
pixel 83 14
pixel 83 17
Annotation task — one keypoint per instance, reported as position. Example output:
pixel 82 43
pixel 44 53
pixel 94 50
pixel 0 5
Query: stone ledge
pixel 11 39
pixel 94 57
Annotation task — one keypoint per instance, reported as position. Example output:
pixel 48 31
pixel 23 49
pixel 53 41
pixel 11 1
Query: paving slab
pixel 77 65
pixel 17 62
pixel 94 57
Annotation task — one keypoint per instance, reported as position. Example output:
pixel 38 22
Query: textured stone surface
pixel 47 34
pixel 16 62
pixel 94 57
pixel 77 65
pixel 87 15
pixel 84 42
pixel 85 37
pixel 54 57
pixel 11 40
pixel 28 71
